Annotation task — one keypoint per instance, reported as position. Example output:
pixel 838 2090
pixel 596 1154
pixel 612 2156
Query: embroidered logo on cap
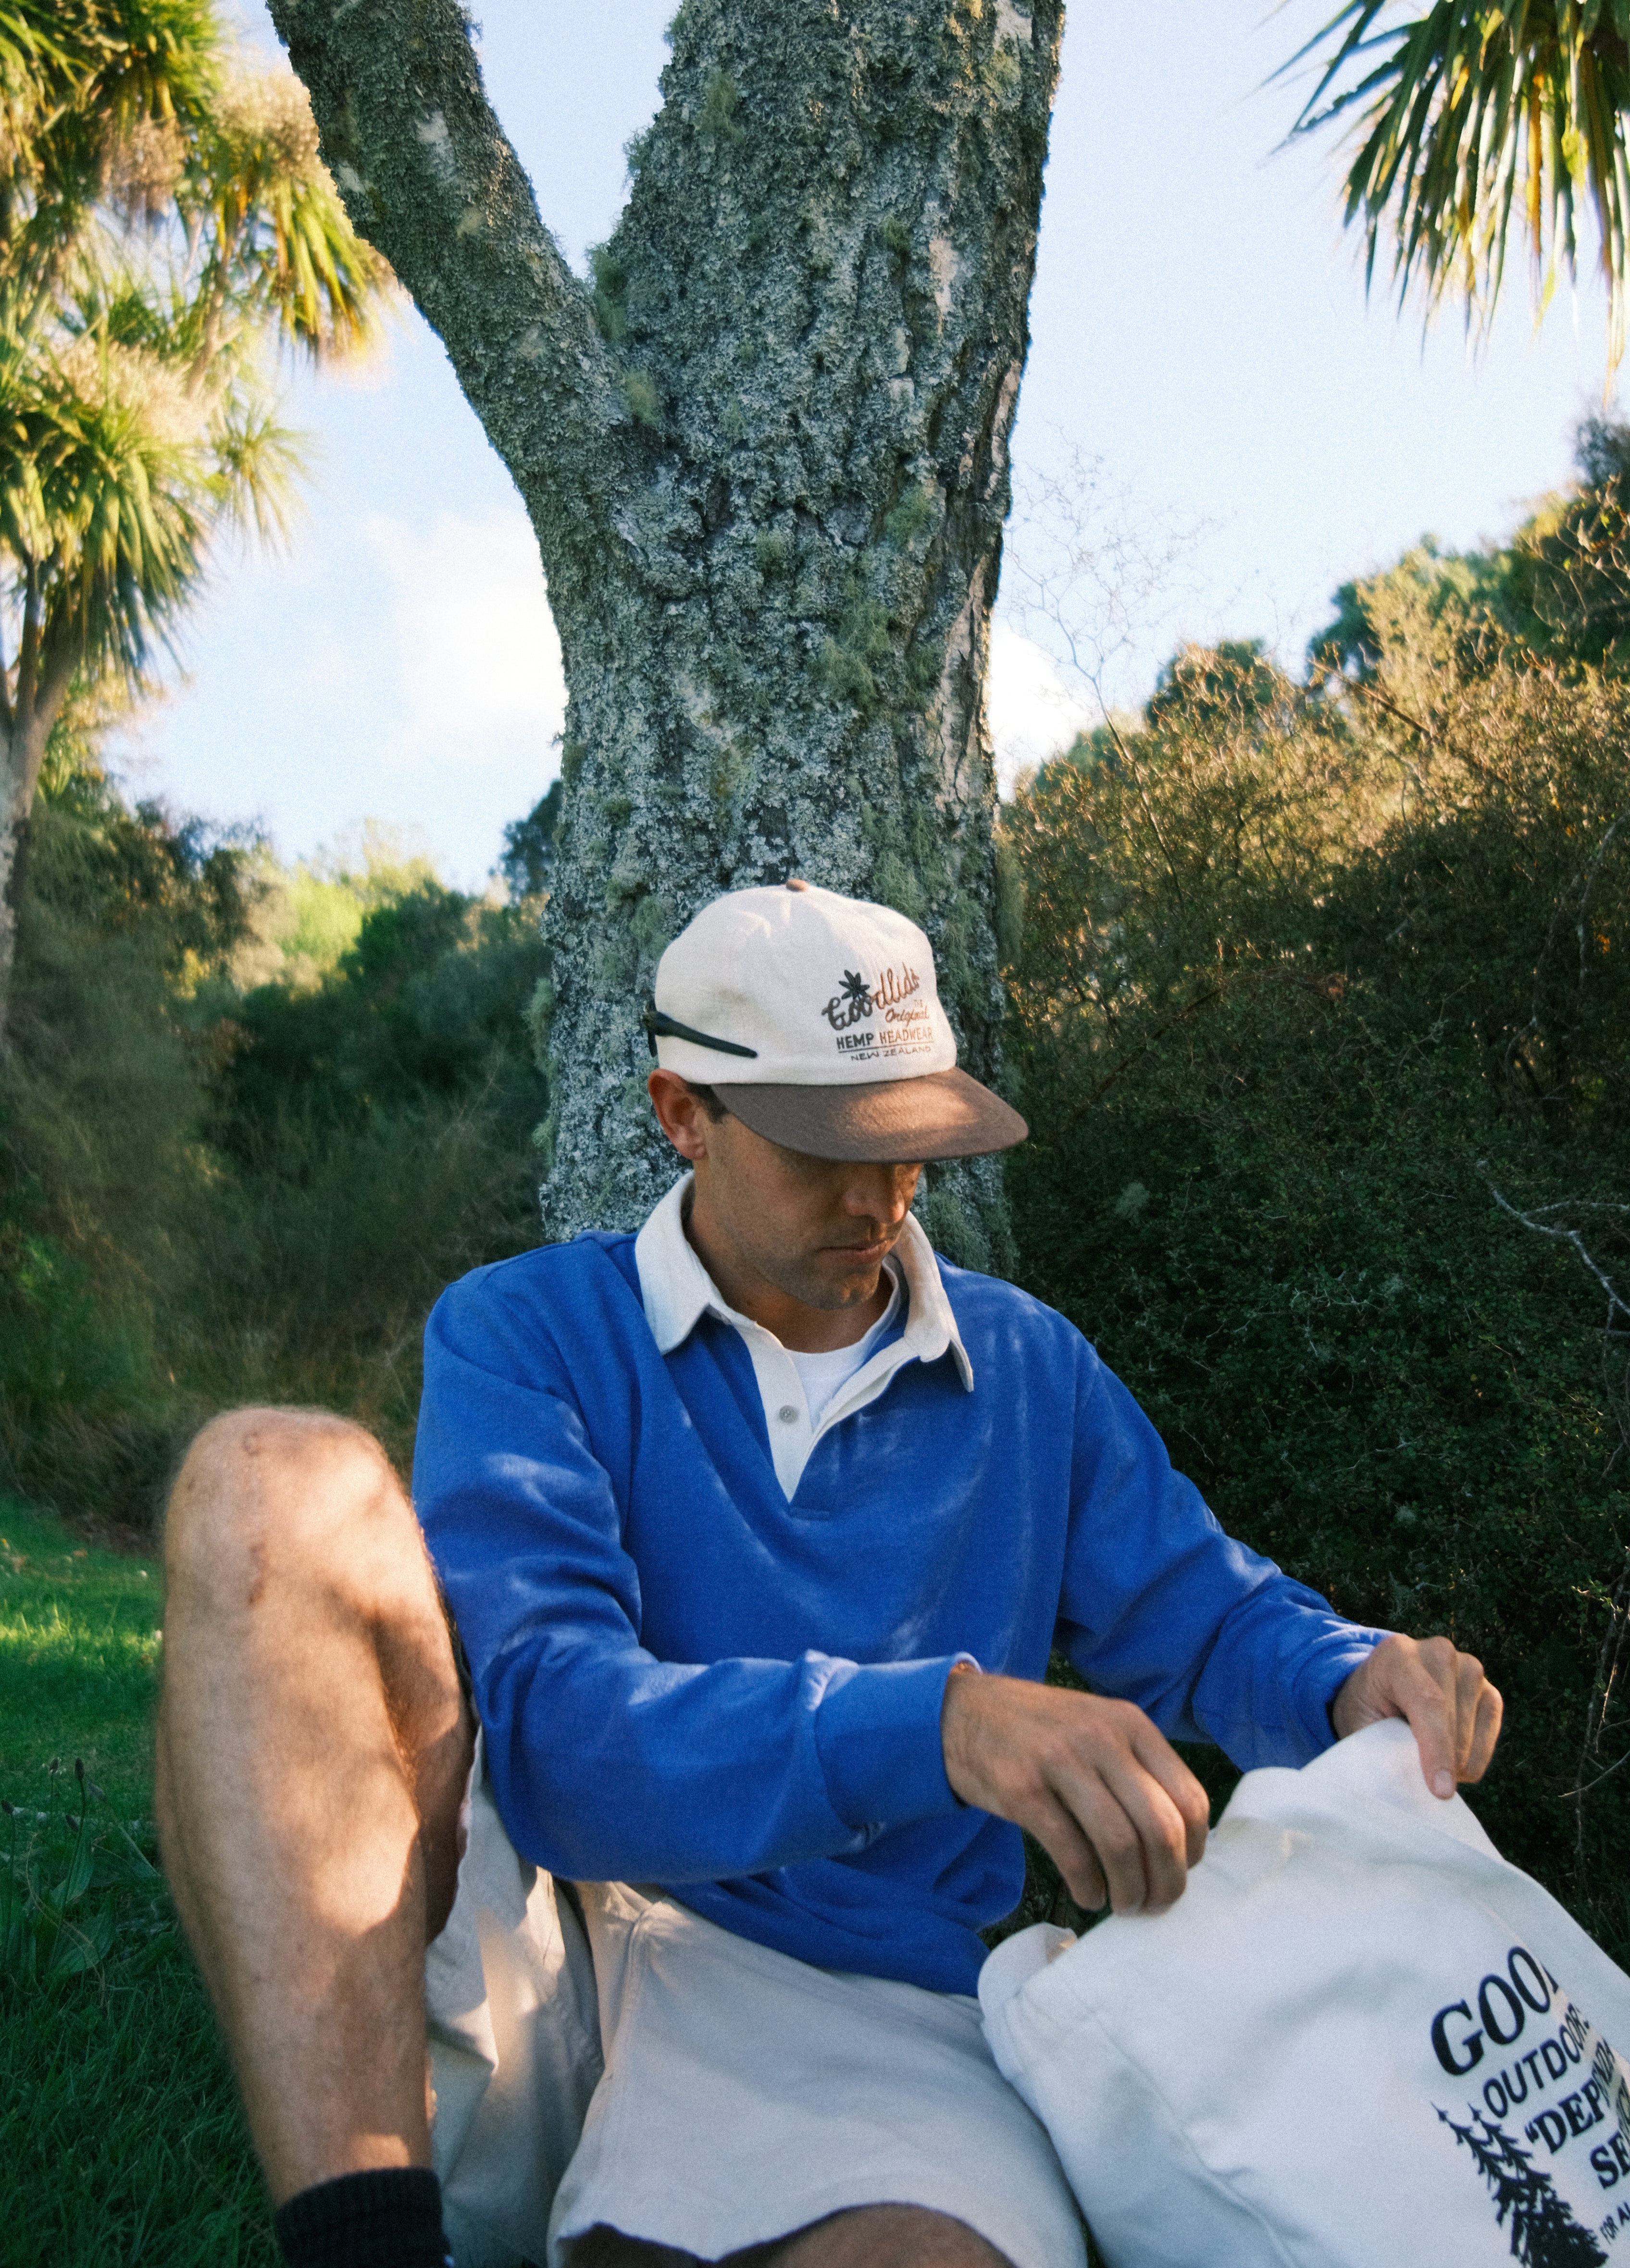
pixel 906 1029
pixel 848 1005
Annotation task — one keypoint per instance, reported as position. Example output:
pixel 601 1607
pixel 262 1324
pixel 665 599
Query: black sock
pixel 388 2219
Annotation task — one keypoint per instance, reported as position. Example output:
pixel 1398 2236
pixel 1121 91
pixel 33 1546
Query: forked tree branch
pixel 428 177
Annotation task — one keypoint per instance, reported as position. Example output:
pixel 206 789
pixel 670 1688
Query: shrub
pixel 101 1112
pixel 214 1195
pixel 1319 1020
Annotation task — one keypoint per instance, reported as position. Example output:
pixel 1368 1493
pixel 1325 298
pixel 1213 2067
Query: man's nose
pixel 879 1193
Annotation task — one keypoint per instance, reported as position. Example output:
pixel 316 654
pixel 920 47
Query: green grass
pixel 78 1660
pixel 120 2131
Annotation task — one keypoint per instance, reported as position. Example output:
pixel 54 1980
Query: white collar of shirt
pixel 677 1292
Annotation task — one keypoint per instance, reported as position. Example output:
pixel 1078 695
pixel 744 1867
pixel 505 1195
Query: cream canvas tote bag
pixel 1359 2040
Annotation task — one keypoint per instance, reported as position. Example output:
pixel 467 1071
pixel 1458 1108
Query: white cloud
pixel 477 660
pixel 1033 713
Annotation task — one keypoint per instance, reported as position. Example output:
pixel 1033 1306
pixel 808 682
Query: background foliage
pixel 253 1122
pixel 1323 1015
pixel 165 221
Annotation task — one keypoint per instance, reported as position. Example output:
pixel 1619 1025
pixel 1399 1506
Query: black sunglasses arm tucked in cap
pixel 660 1026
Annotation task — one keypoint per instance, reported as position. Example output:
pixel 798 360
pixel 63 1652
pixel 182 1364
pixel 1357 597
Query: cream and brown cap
pixel 817 1020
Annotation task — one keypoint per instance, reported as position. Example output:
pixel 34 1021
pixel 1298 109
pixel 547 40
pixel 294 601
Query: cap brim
pixel 943 1113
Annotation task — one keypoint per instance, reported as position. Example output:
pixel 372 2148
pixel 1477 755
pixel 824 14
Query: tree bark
pixel 27 717
pixel 765 455
pixel 13 844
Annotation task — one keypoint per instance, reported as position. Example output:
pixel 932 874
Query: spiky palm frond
pixel 111 63
pixel 162 219
pixel 105 501
pixel 1476 117
pixel 255 480
pixel 83 84
pixel 46 51
pixel 274 236
pixel 132 541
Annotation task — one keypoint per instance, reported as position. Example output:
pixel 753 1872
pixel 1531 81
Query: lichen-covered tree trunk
pixel 765 455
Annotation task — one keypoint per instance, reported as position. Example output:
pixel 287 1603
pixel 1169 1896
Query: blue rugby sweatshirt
pixel 685 1678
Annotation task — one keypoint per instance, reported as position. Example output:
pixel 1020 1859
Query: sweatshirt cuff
pixel 1315 1689
pixel 877 1734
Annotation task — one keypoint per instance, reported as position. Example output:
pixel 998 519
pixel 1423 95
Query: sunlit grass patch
pixel 79 1649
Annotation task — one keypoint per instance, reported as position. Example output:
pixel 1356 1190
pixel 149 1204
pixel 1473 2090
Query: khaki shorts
pixel 640 2067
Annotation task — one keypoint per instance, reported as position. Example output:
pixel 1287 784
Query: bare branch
pixel 1616 1304
pixel 1372 693
pixel 1090 570
pixel 430 179
pixel 1573 1794
pixel 1143 796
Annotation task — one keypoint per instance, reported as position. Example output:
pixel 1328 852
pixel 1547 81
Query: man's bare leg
pixel 313 1753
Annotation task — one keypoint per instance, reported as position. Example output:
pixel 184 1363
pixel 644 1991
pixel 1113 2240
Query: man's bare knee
pixel 270 1499
pixel 241 1453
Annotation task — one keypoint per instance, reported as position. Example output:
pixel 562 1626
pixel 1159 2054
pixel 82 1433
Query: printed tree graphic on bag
pixel 1543 2232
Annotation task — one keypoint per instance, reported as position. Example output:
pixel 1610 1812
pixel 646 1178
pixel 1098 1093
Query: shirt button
pixel 788 1414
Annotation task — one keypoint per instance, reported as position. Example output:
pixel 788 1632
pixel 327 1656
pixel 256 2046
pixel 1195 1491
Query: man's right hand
pixel 1103 1791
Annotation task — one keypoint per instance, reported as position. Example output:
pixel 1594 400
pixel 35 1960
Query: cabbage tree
pixel 1476 121
pixel 162 216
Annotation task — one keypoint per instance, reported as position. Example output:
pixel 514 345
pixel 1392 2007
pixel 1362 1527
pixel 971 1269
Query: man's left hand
pixel 1451 1706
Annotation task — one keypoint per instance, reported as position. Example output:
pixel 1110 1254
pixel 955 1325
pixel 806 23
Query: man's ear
pixel 679 1114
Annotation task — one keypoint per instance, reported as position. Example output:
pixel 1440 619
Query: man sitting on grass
pixel 756 1530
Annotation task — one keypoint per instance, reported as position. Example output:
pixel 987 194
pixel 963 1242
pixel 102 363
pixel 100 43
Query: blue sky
pixel 1200 339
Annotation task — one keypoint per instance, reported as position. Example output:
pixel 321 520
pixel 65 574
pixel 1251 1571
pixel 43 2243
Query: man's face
pixel 812 1229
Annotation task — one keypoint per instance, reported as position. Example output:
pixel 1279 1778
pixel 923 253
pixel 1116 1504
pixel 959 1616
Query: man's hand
pixel 1102 1791
pixel 1452 1709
